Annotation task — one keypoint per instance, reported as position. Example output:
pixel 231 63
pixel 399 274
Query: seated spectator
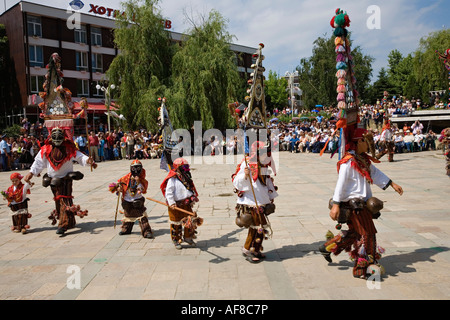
pixel 293 143
pixel 156 151
pixel 398 141
pixel 138 150
pixel 408 139
pixel 419 140
pixel 286 142
pixel 304 142
pixel 318 143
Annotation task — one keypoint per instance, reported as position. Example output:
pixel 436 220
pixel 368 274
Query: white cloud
pixel 288 28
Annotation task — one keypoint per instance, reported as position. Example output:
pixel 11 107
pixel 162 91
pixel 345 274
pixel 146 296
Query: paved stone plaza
pixel 413 228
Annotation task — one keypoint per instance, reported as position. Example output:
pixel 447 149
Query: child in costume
pixel 180 192
pixel 16 195
pixel 251 181
pixel 352 203
pixel 132 186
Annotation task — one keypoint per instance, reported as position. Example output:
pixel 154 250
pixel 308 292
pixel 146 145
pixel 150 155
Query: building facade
pixel 87 49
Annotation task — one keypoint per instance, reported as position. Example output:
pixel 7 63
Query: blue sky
pixel 288 28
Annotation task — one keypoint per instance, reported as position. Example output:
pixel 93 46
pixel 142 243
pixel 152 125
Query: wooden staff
pixel 176 208
pixel 117 208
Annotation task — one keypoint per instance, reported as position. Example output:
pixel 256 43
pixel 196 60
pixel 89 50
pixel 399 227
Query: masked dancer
pixel 133 186
pixel 353 204
pixel 179 190
pixel 256 193
pixel 57 156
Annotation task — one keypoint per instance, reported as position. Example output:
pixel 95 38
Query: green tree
pixel 143 68
pixel 275 91
pixel 394 59
pixel 399 72
pixel 317 74
pixel 205 76
pixel 383 83
pixel 429 72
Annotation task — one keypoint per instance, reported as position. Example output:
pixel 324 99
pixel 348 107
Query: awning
pixel 96 107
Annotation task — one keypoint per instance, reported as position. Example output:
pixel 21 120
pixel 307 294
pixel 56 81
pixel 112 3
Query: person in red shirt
pixel 110 140
pixel 93 146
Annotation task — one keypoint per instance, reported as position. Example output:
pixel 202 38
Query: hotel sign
pixel 108 12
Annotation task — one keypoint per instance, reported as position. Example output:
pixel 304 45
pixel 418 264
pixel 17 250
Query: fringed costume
pixel 133 186
pixel 179 190
pixel 16 195
pixel 59 151
pixel 57 156
pixel 357 207
pixel 253 214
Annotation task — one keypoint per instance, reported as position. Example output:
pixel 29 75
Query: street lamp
pixel 107 99
pixel 291 76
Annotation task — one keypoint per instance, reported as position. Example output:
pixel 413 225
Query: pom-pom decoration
pixel 347 95
pixel 113 187
pixel 341 81
pixel 341 74
pixel 341 88
pixel 342 105
pixel 340 48
pixel 341 66
pixel 341 58
pixel 338 41
pixel 340 97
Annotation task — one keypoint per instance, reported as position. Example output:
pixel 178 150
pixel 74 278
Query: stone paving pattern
pixel 413 228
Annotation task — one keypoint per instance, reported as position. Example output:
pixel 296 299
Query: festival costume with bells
pixel 57 156
pixel 255 194
pixel 253 214
pixel 358 208
pixel 59 151
pixel 179 190
pixel 18 203
pixel 352 198
pixel 133 186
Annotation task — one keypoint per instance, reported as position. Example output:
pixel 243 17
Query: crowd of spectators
pixel 319 134
pixel 119 145
pixel 17 153
pixel 310 133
